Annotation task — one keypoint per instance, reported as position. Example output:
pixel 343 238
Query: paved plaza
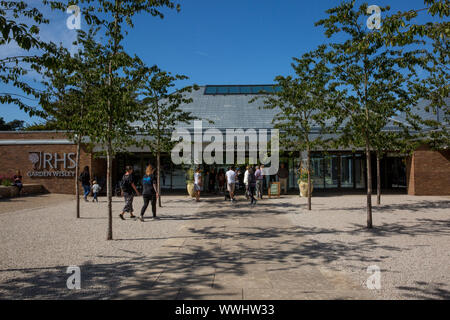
pixel 218 250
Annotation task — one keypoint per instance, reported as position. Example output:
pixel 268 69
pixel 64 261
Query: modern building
pixel 47 158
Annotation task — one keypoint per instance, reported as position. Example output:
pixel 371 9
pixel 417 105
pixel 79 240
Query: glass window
pixel 331 171
pixel 257 89
pixel 276 89
pixel 210 90
pixel 245 90
pixel 234 90
pixel 347 171
pixel 359 171
pixel 222 90
pixel 269 89
pixel 317 171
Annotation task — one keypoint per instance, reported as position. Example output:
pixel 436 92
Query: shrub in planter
pixel 6 181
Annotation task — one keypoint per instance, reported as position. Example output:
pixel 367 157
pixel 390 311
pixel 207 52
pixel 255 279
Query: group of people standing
pixel 253 181
pixel 228 182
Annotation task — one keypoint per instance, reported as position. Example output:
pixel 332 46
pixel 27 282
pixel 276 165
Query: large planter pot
pixel 303 186
pixel 190 189
pixel 8 192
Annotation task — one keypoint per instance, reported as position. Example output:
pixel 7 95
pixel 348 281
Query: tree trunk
pixel 369 185
pixel 378 180
pixel 77 174
pixel 109 189
pixel 158 168
pixel 309 178
pixel 368 160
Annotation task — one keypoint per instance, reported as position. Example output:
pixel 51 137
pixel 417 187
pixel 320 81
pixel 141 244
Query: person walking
pixel 283 175
pixel 231 182
pixel 18 181
pixel 127 185
pixel 212 181
pixel 85 179
pixel 149 191
pixel 221 180
pixel 197 184
pixel 251 186
pixel 246 182
pixel 95 190
pixel 259 182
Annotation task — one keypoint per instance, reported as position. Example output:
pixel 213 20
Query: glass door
pixel 331 171
pixel 347 171
pixel 360 177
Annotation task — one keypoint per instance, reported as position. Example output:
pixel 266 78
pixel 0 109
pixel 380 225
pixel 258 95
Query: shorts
pixel 197 187
pixel 230 187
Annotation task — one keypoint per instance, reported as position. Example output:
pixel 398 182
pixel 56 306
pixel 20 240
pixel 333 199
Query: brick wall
pixel 15 157
pixel 429 172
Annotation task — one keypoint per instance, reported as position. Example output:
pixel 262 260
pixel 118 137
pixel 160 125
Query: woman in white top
pixel 246 181
pixel 231 181
pixel 197 184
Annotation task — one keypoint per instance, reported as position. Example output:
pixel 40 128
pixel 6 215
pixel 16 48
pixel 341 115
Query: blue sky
pixel 219 42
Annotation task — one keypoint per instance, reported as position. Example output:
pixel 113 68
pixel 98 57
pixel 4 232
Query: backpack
pixel 251 179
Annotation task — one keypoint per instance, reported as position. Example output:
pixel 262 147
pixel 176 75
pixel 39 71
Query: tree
pixel 11 125
pixel 162 113
pixel 389 139
pixel 373 80
pixel 68 95
pixel 14 67
pixel 114 107
pixel 118 111
pixel 400 29
pixel 302 101
pixel 49 125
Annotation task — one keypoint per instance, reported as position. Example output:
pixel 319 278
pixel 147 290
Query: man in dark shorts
pixel 127 186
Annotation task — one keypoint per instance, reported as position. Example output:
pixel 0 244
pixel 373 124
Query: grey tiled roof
pixel 236 111
pixel 229 111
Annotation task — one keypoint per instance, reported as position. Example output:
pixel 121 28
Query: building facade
pixel 47 158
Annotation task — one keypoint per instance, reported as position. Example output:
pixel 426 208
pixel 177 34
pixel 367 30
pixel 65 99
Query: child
pixel 197 184
pixel 95 190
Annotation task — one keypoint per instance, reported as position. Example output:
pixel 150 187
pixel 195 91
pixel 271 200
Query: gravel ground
pixel 32 202
pixel 410 242
pixel 41 238
pixel 37 245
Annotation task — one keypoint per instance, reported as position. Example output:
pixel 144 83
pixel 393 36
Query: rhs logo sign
pixel 43 162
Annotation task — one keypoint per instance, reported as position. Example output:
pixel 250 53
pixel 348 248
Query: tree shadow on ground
pixel 417 206
pixel 425 291
pixel 188 266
